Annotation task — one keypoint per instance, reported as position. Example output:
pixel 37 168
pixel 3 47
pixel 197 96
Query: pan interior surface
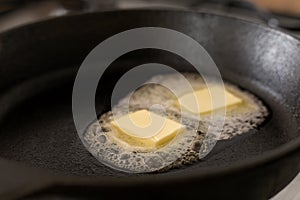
pixel 40 131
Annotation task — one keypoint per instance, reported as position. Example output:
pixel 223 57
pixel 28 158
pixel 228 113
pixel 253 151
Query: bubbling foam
pixel 110 150
pixel 184 148
pixel 239 119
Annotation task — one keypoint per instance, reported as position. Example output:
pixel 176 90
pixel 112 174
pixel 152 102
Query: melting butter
pixel 207 100
pixel 146 129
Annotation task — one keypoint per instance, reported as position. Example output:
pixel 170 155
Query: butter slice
pixel 200 101
pixel 146 129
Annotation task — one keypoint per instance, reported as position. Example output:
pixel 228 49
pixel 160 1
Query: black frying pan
pixel 47 159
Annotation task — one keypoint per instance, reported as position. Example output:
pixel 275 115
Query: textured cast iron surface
pixel 40 131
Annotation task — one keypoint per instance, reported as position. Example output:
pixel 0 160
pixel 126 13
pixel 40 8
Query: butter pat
pixel 201 102
pixel 146 129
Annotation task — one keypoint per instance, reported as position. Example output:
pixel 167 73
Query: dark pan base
pixel 41 133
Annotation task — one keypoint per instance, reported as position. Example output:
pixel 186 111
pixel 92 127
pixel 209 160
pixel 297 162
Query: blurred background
pixel 276 13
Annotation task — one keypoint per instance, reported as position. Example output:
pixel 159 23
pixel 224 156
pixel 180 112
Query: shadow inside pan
pixel 40 131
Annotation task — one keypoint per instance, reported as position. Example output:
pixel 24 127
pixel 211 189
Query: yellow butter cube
pixel 201 102
pixel 146 129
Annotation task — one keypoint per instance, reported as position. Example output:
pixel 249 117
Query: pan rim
pixel 248 164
